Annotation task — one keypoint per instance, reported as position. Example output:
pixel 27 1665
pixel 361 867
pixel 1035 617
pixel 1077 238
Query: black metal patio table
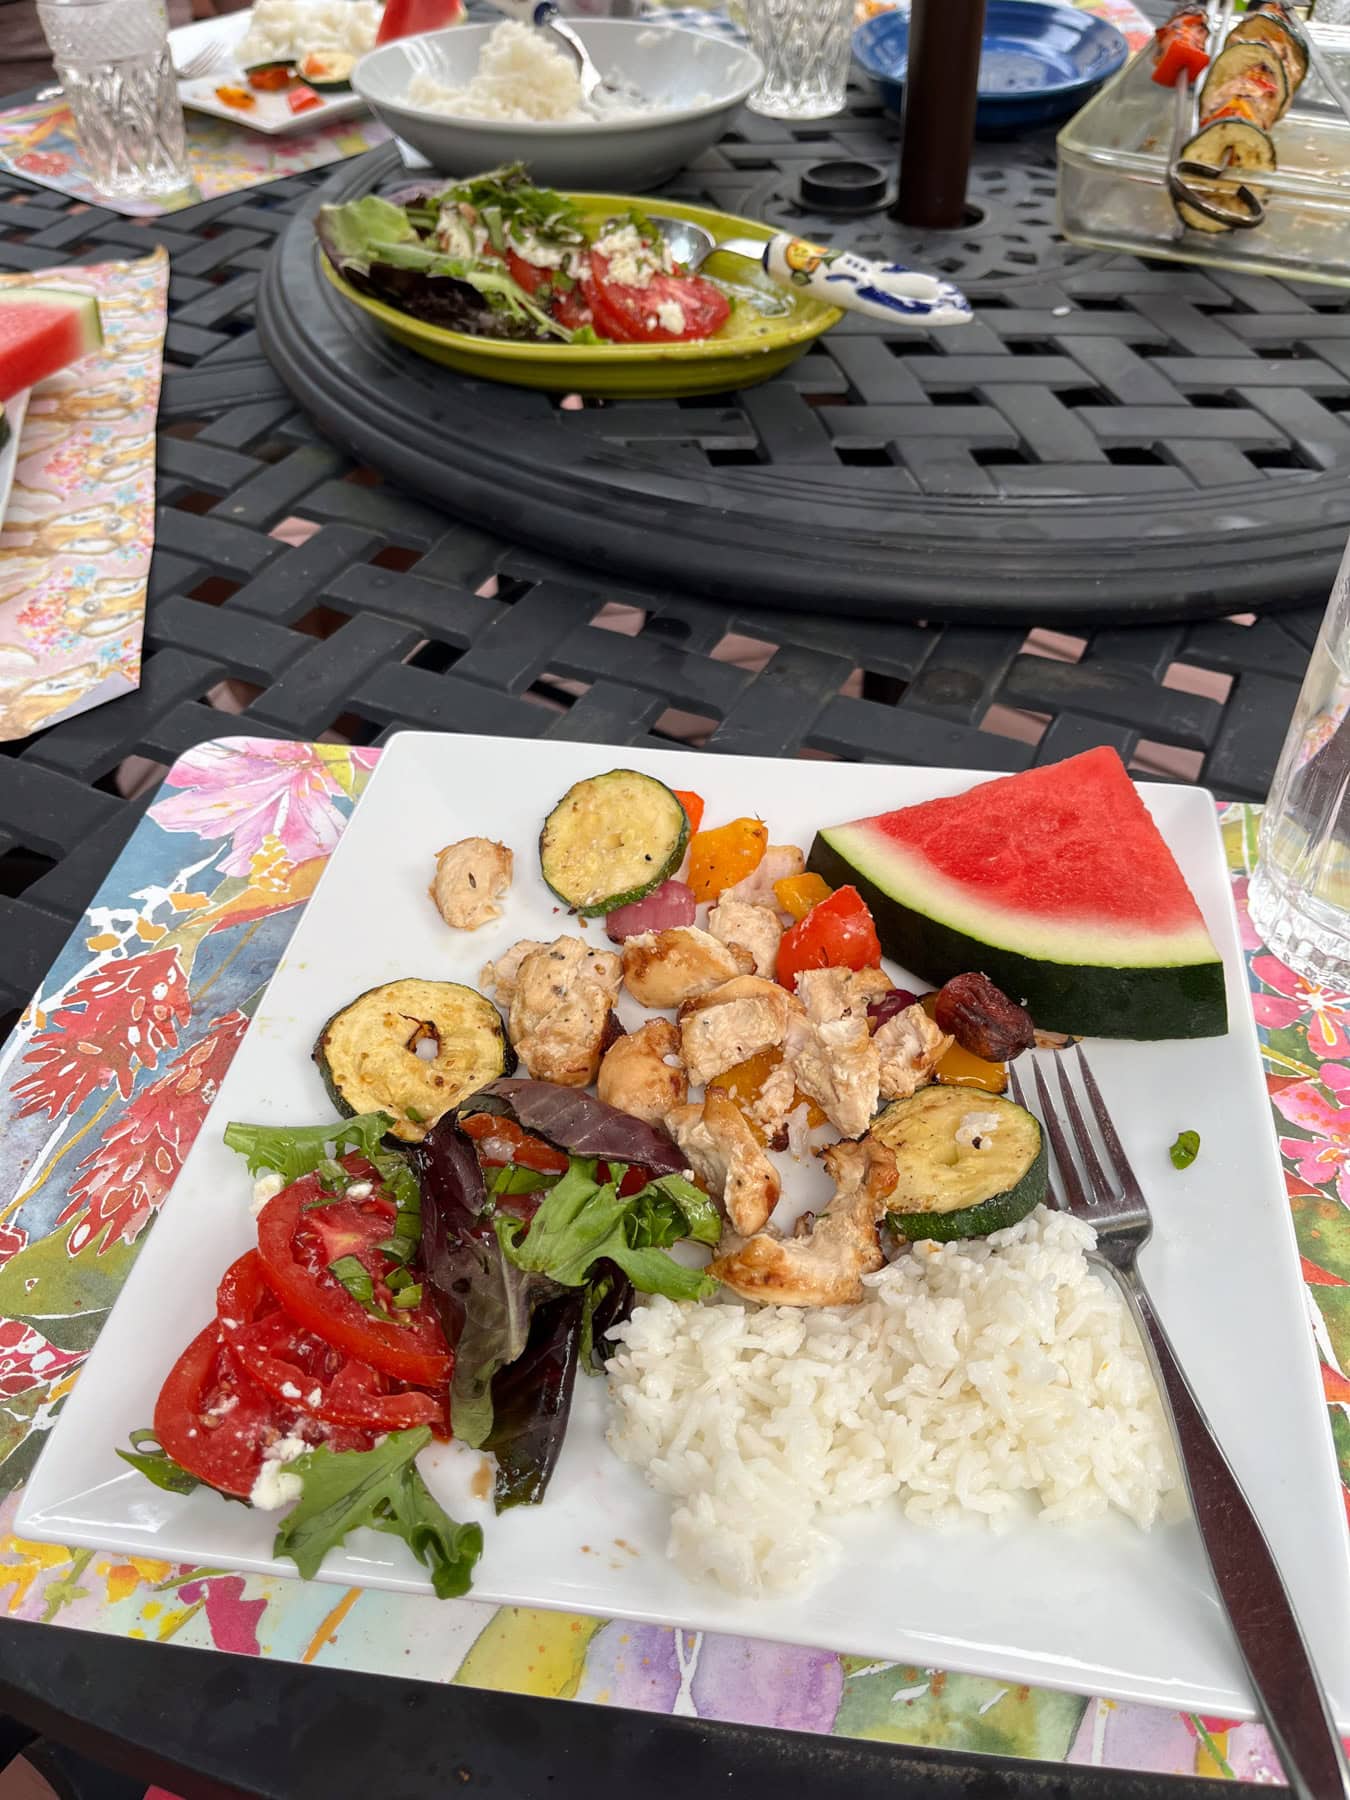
pixel 395 612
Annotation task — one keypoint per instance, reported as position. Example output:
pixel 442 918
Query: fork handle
pixel 1268 1633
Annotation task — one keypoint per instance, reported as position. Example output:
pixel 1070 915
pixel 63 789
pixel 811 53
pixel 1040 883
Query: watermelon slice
pixel 1056 884
pixel 43 330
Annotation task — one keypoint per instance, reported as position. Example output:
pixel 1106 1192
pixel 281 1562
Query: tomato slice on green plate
pixel 632 315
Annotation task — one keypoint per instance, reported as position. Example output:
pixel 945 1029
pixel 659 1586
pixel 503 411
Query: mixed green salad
pixel 496 256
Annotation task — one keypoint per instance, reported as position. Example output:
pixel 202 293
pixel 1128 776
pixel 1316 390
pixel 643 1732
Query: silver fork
pixel 213 54
pixel 1245 1572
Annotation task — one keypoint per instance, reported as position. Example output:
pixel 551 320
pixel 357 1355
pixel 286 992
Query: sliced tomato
pixel 299 1369
pixel 837 933
pixel 571 309
pixel 631 315
pixel 213 1420
pixel 526 274
pixel 297 1245
pixel 501 1141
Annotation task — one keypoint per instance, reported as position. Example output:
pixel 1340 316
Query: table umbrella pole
pixel 938 130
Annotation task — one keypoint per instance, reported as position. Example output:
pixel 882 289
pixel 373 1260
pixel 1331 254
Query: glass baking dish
pixel 1113 158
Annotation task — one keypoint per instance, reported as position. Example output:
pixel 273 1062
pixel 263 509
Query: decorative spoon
pixel 887 291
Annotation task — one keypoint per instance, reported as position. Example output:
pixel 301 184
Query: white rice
pixel 521 74
pixel 976 1377
pixel 284 29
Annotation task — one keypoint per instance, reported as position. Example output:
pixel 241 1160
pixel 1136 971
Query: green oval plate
pixel 750 347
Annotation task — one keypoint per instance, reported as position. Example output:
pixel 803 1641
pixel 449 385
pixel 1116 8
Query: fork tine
pixel 1068 1172
pixel 1019 1095
pixel 1097 1181
pixel 1110 1136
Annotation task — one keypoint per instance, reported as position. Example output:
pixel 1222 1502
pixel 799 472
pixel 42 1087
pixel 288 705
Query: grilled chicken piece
pixel 561 999
pixel 731 1023
pixel 775 1100
pixel 499 977
pixel 829 994
pixel 642 1073
pixel 663 969
pixel 838 1066
pixel 831 1051
pixel 777 863
pixel 753 928
pixel 910 1046
pixel 725 1152
pixel 825 1265
pixel 471 877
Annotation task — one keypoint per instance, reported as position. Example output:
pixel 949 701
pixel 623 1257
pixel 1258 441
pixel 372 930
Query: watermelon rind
pixel 1089 998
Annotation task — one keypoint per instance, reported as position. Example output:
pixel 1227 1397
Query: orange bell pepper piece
pixel 237 97
pixel 719 859
pixel 692 804
pixel 797 894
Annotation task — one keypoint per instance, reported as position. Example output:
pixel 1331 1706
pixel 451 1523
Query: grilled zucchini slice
pixel 1284 38
pixel 412 1049
pixel 968 1164
pixel 611 839
pixel 1268 86
pixel 1233 146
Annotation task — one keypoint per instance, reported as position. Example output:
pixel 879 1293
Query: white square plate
pixel 270 115
pixel 1102 1610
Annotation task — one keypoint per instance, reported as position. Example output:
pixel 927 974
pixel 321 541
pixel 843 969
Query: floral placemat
pixel 104 1085
pixel 80 523
pixel 37 140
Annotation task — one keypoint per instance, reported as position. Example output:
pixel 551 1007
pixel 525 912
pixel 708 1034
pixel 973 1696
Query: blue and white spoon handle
pixel 887 291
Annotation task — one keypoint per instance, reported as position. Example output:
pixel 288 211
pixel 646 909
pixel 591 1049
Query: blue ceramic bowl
pixel 1039 62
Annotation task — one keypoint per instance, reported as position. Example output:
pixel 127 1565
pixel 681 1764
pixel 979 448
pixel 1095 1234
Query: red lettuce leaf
pixel 531 1400
pixel 483 1300
pixel 584 1125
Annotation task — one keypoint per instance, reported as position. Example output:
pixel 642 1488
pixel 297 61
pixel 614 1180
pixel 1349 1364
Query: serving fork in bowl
pixel 1269 1636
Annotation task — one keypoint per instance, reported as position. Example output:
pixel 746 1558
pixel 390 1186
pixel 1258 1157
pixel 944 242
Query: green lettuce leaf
pixel 580 1222
pixel 157 1465
pixel 341 1489
pixel 353 230
pixel 294 1151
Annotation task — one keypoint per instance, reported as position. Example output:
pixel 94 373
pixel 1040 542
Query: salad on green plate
pixel 572 292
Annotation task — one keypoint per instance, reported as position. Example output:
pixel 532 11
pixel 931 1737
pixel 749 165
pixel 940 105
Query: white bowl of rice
pixel 474 96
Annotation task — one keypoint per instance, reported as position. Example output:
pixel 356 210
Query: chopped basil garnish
pixel 356 1278
pixel 1184 1152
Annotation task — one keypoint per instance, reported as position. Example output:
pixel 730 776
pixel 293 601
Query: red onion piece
pixel 670 905
pixel 878 1011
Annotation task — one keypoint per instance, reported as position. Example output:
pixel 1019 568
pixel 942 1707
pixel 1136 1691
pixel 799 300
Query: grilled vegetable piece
pixel 1232 146
pixel 967 1164
pixel 611 839
pixel 327 68
pixel 412 1049
pixel 1284 37
pixel 1250 71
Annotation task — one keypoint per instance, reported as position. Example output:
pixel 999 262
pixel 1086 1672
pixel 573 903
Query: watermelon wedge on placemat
pixel 1056 884
pixel 43 330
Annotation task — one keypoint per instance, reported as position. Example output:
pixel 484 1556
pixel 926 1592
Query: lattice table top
pixel 383 616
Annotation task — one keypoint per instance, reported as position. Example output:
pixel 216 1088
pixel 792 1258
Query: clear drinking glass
pixel 1300 892
pixel 805 47
pixel 112 59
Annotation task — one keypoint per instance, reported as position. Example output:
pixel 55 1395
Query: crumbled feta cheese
pixel 289 1391
pixel 265 1188
pixel 222 1407
pixel 671 315
pixel 976 1128
pixel 630 262
pixel 273 1487
pixel 360 1190
pixel 314 1396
